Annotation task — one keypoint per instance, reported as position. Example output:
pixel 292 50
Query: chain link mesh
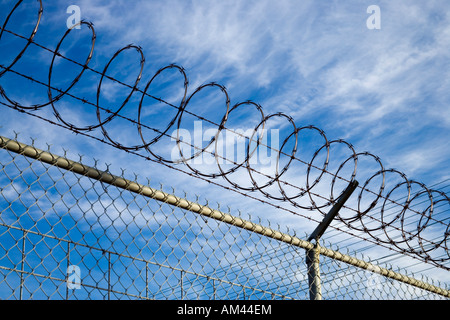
pixel 67 236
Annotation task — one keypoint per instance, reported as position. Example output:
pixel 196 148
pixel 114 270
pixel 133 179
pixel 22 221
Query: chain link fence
pixel 69 231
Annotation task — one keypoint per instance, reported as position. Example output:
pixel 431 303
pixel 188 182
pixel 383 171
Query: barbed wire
pixel 391 240
pixel 265 202
pixel 388 230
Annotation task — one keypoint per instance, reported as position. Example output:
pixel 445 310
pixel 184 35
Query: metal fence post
pixel 181 283
pixel 313 255
pixel 22 267
pixel 146 280
pixel 67 269
pixel 312 262
pixel 109 276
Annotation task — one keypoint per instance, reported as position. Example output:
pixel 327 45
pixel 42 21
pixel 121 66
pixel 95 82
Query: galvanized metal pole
pixel 22 267
pixel 146 280
pixel 312 263
pixel 109 276
pixel 67 273
pixel 319 231
pixel 181 283
pixel 313 254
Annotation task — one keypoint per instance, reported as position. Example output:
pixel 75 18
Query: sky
pixel 383 90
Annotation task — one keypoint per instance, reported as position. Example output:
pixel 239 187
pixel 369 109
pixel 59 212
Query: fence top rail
pixel 146 191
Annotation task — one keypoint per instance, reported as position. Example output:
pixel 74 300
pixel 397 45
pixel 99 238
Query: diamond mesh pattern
pixel 127 246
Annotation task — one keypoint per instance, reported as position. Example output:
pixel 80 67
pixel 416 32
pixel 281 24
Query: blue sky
pixel 384 91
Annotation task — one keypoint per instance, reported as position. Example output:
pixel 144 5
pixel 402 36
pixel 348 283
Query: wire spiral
pixel 370 211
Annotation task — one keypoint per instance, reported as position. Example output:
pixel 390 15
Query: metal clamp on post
pixel 313 255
